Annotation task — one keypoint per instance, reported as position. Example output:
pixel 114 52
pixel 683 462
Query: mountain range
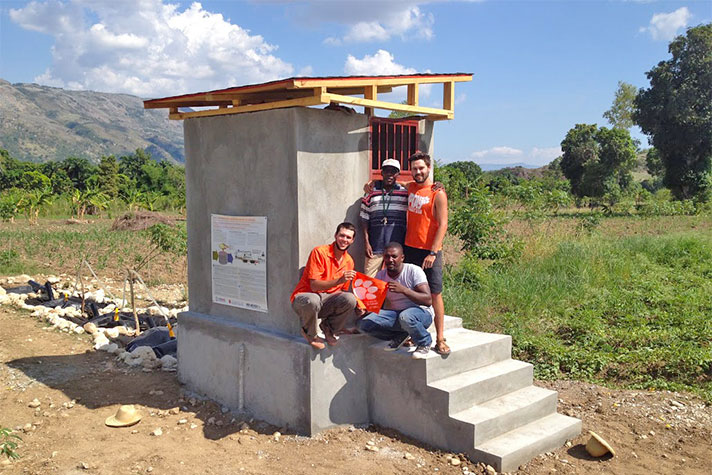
pixel 41 123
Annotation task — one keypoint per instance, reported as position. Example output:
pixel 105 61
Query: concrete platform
pixel 476 401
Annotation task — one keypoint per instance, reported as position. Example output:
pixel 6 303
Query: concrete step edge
pixel 508 451
pixel 505 413
pixel 478 375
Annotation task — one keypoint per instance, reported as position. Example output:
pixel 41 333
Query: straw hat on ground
pixel 597 447
pixel 125 416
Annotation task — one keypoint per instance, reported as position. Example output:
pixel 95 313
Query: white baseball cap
pixel 391 162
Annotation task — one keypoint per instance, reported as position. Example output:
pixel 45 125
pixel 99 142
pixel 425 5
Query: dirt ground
pixel 78 388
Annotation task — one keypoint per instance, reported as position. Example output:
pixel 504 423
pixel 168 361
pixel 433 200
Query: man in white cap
pixel 383 216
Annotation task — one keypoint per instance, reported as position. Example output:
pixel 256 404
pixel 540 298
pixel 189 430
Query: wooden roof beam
pixel 299 102
pixel 388 105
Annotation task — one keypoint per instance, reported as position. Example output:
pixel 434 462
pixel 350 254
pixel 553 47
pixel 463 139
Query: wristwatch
pixel 432 253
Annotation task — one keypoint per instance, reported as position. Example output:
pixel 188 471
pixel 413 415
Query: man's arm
pixel 321 285
pixel 441 216
pixel 366 239
pixel 420 294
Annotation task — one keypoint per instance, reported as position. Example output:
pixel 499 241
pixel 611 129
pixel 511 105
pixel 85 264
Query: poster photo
pixel 238 247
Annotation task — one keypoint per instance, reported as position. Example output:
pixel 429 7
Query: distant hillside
pixel 40 124
pixel 486 167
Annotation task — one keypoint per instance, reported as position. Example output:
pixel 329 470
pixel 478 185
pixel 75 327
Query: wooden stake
pixel 133 303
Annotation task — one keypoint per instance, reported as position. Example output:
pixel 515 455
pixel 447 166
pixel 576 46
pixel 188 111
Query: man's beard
pixel 340 248
pixel 420 178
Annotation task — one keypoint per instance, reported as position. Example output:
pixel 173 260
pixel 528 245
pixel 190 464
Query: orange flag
pixel 371 292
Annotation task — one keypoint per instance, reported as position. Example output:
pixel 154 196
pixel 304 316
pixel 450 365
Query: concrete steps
pixel 482 384
pixel 477 400
pixel 518 446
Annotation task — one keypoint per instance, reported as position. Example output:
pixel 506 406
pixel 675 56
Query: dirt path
pixel 78 388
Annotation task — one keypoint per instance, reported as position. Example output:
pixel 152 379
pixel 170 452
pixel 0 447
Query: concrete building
pixel 263 152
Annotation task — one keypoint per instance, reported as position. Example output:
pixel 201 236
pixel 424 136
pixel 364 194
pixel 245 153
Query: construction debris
pixel 108 320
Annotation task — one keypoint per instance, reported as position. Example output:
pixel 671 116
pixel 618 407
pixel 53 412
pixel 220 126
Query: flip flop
pixel 441 348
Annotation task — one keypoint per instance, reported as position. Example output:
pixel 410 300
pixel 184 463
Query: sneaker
pixel 396 343
pixel 421 352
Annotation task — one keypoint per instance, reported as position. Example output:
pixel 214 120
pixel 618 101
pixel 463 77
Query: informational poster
pixel 239 261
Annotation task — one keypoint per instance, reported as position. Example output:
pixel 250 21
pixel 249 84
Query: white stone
pixel 90 328
pixel 34 403
pixel 112 333
pixel 157 432
pixel 3 291
pixel 53 279
pixel 100 341
pixel 99 296
pixel 169 363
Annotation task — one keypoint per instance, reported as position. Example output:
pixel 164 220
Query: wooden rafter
pixel 303 92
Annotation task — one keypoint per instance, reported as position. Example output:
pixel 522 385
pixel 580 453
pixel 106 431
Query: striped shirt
pixel 385 215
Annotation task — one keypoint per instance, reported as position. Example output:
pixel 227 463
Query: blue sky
pixel 539 67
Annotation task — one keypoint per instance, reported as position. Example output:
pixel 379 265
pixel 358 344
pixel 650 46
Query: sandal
pixel 315 342
pixel 331 340
pixel 441 347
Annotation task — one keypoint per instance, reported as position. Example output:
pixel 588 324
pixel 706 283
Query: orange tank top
pixel 422 225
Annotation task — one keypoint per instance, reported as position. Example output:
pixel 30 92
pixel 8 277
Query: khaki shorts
pixel 373 265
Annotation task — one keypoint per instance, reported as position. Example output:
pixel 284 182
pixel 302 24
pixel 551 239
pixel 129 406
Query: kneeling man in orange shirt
pixel 322 292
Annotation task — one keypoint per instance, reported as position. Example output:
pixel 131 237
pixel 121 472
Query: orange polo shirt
pixel 323 265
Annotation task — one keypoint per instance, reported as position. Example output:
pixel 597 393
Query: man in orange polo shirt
pixel 427 225
pixel 322 292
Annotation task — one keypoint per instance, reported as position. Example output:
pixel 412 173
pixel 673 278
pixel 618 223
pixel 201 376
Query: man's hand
pixel 437 186
pixel 428 262
pixel 348 275
pixel 368 187
pixel 396 287
pixel 360 312
pixel 369 250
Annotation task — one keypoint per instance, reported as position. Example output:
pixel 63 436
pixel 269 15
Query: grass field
pixel 54 247
pixel 628 303
pixel 621 300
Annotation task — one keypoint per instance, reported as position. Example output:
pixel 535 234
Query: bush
pixel 481 228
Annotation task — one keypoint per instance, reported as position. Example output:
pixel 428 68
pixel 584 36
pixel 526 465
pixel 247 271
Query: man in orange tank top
pixel 427 225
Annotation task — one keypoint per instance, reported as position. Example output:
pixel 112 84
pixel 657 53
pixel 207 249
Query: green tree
pixel 620 115
pixel 597 161
pixel 108 178
pixel 132 165
pixel 79 170
pixel 61 183
pixel 34 180
pixel 676 113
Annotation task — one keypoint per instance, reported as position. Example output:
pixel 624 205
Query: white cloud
pixel 147 48
pixel 665 26
pixel 544 155
pixel 395 18
pixel 381 63
pixel 508 155
pixel 498 152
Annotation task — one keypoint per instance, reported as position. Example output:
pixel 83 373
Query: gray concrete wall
pixel 248 369
pixel 302 168
pixel 332 167
pixel 243 165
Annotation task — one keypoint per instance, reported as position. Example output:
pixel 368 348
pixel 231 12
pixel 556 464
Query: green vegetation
pixel 632 311
pixel 8 443
pixel 676 112
pixel 620 115
pixel 598 161
pixel 76 185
